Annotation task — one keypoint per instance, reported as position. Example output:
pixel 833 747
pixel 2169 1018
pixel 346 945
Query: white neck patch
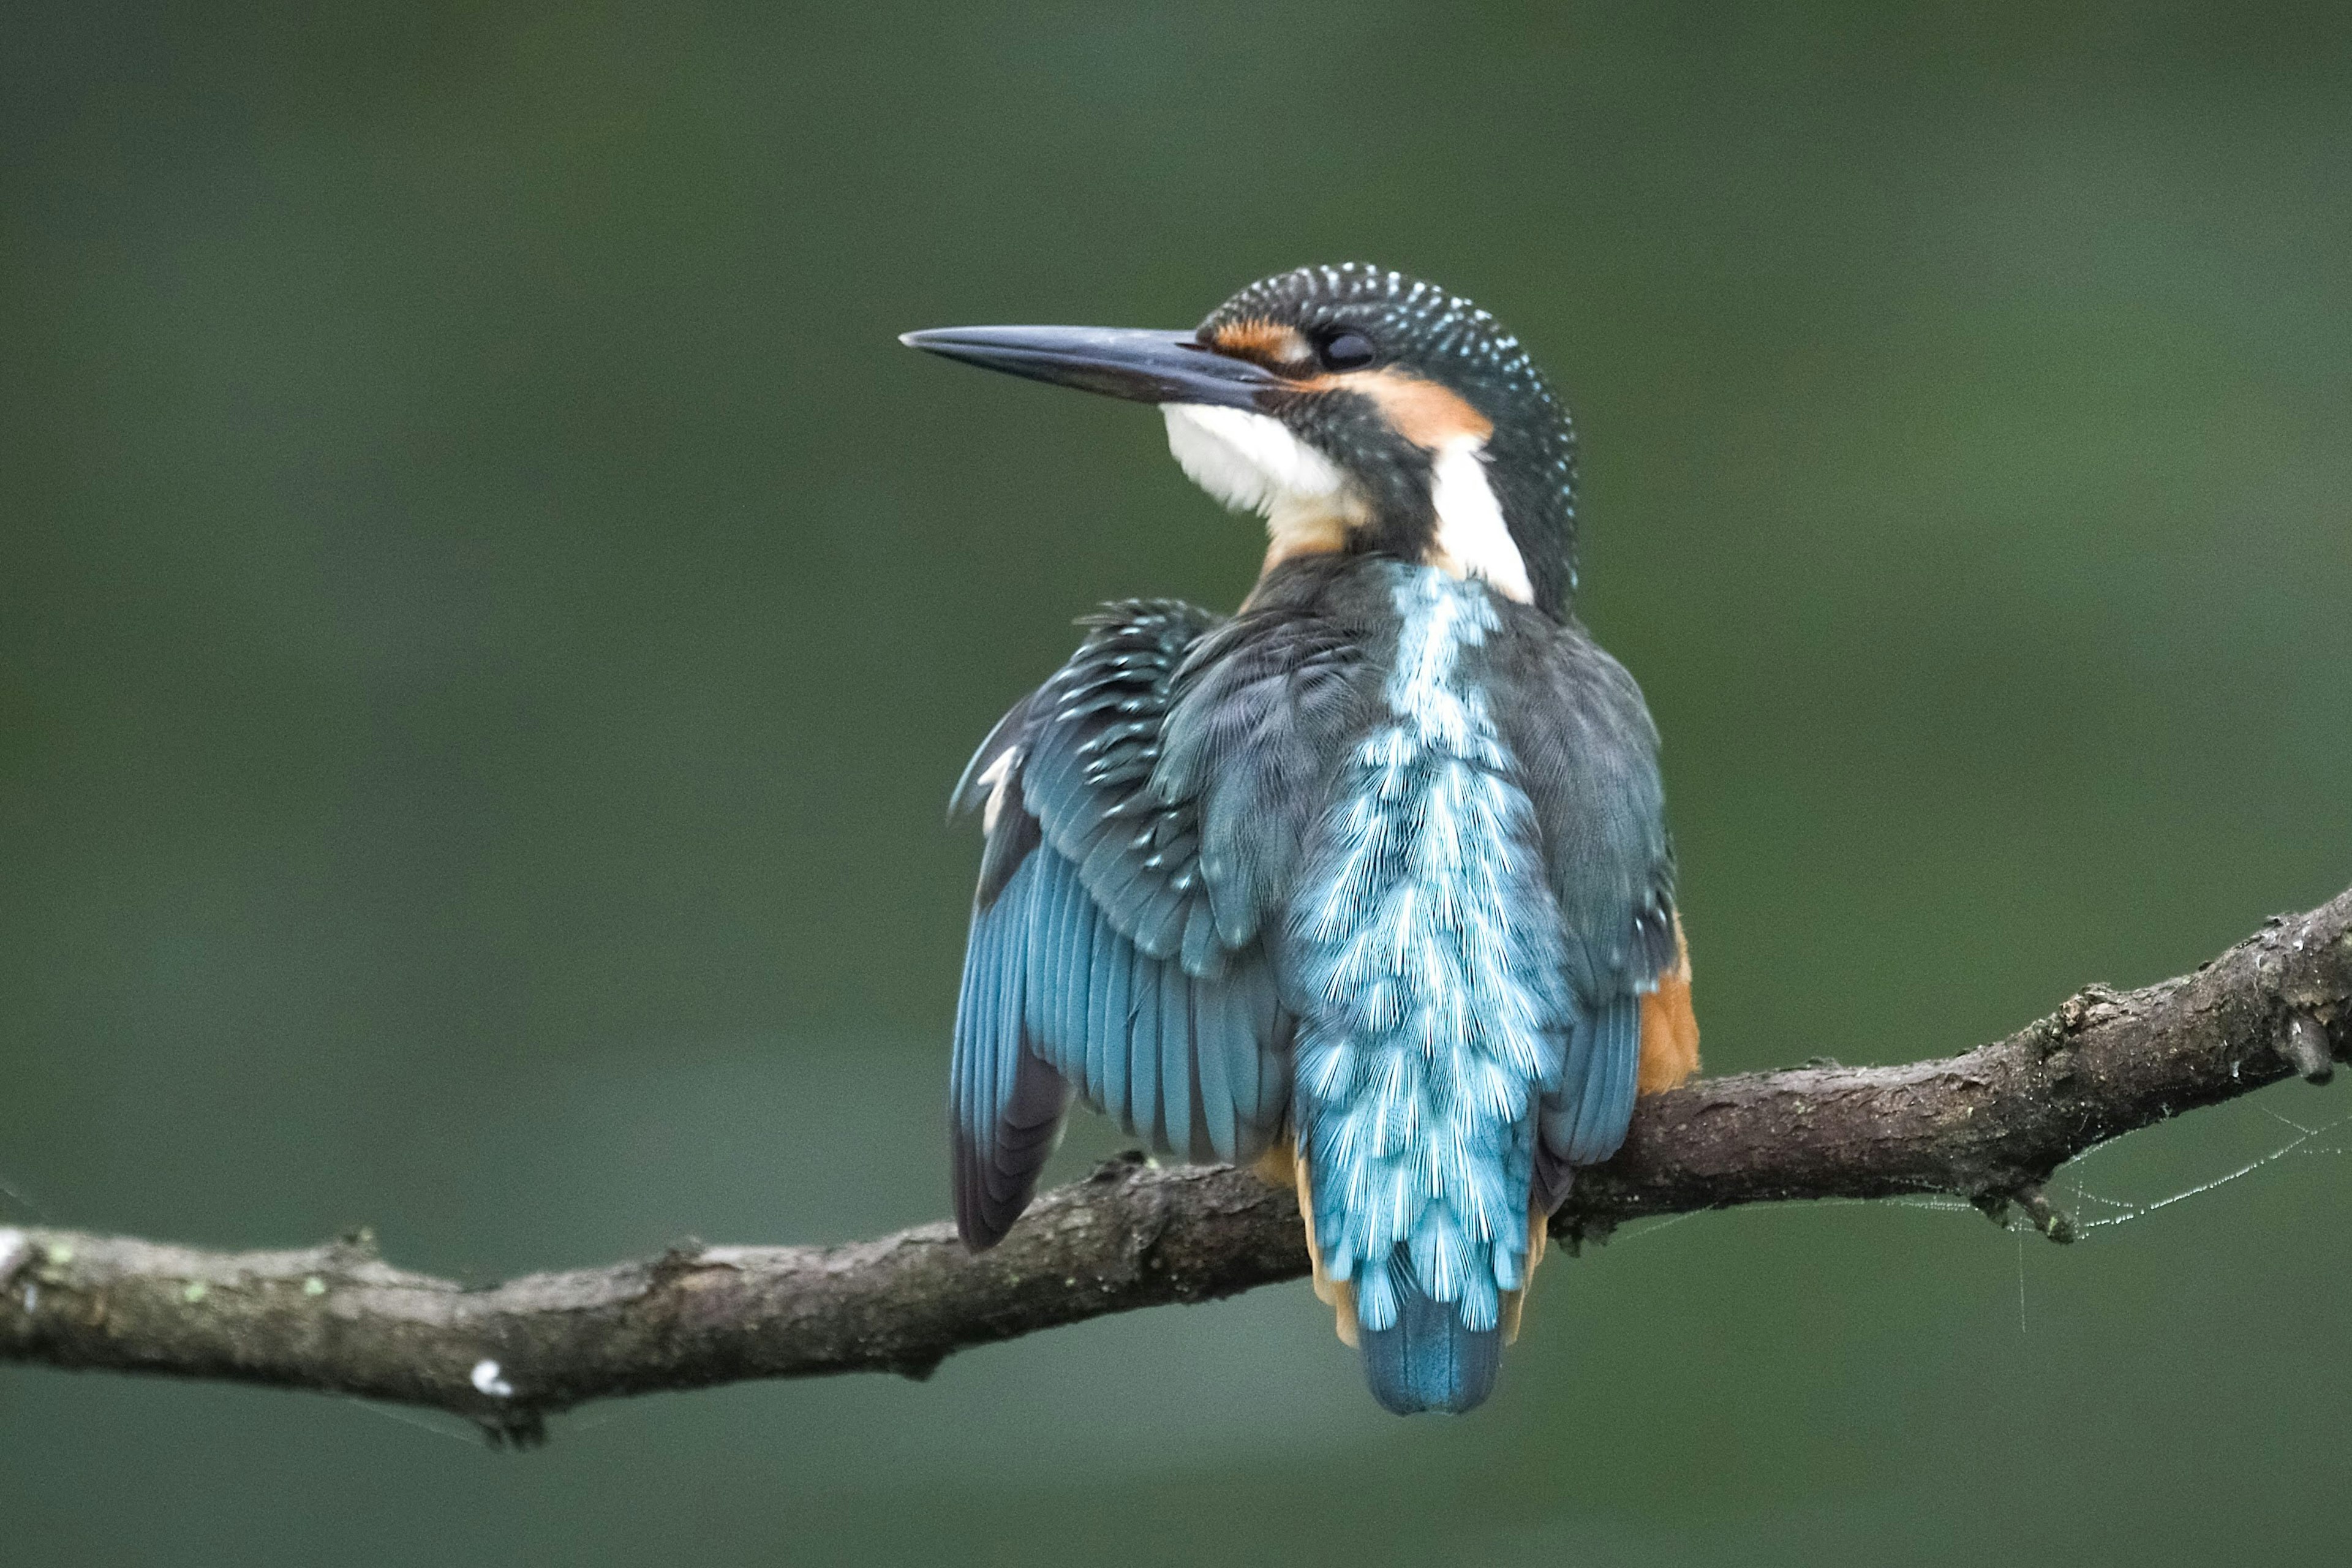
pixel 1252 462
pixel 1473 540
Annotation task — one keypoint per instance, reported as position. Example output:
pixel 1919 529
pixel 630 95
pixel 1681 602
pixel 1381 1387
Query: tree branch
pixel 1991 1125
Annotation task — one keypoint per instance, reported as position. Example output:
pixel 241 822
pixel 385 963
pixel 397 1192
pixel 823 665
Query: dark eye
pixel 1347 351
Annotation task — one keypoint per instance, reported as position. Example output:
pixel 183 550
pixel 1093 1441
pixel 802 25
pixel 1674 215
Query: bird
pixel 1368 884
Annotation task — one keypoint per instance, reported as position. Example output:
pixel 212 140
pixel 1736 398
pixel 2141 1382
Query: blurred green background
pixel 488 618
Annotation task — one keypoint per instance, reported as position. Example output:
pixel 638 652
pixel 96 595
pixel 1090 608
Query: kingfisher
pixel 1369 882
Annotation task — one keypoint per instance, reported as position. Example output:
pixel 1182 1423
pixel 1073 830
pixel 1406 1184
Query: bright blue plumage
pixel 1424 958
pixel 1379 862
pixel 1346 819
pixel 1079 973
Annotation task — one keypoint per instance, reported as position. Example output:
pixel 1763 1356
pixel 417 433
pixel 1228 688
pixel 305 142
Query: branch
pixel 1991 1125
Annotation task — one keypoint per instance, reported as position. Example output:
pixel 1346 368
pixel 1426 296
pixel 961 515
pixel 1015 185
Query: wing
pixel 1587 754
pixel 1106 957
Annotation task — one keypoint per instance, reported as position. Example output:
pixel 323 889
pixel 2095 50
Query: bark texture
pixel 1989 1125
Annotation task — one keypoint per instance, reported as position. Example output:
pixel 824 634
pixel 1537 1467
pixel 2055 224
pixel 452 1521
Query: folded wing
pixel 1096 964
pixel 1589 755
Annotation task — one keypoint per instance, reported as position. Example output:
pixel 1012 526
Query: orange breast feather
pixel 1669 1027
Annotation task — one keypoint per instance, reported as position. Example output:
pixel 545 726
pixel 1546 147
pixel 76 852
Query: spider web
pixel 2307 1141
pixel 11 1198
pixel 2095 1214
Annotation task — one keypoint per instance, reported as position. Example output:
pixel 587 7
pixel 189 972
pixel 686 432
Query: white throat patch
pixel 1252 462
pixel 1249 460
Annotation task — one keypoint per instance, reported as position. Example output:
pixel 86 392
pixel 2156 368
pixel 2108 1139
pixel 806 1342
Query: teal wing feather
pixel 1588 752
pixel 1095 966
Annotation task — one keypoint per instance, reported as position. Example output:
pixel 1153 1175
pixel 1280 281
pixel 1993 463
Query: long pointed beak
pixel 1119 362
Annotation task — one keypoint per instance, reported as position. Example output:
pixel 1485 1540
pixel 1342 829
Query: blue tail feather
pixel 1429 1358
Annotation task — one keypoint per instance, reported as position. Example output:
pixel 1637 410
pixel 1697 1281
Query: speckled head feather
pixel 1415 332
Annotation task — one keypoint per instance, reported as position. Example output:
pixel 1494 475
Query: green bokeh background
pixel 488 618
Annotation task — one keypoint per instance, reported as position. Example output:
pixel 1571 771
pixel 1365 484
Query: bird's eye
pixel 1346 351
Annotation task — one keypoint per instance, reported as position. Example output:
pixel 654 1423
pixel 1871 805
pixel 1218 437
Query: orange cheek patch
pixel 1669 1027
pixel 1424 413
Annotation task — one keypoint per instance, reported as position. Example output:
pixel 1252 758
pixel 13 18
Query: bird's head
pixel 1356 409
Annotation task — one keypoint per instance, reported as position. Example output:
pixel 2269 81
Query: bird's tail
pixel 1429 1358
